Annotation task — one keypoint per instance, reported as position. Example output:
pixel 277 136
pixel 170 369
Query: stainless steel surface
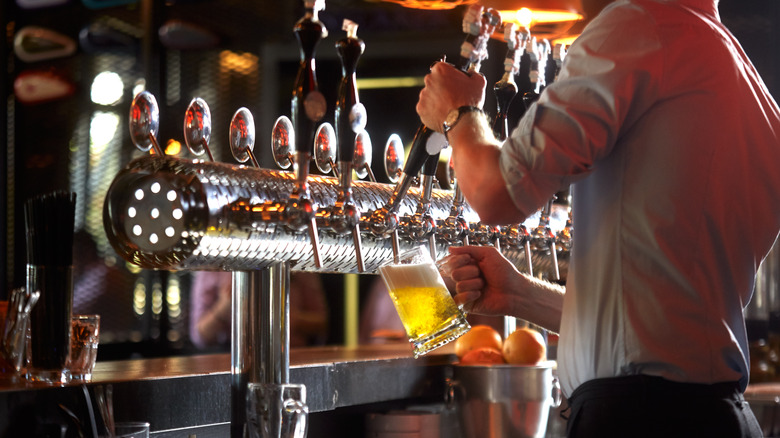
pixel 503 401
pixel 260 347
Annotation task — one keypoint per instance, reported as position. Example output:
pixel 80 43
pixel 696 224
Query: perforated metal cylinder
pixel 169 213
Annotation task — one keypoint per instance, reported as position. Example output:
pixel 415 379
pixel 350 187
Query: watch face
pixel 451 118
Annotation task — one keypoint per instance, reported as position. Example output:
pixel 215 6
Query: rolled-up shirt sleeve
pixel 608 79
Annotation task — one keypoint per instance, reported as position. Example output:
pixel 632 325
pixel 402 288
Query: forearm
pixel 540 302
pixel 476 155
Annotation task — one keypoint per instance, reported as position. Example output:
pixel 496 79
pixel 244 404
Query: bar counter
pixel 190 395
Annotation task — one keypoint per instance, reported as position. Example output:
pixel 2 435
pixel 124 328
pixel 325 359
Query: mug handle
pixel 557 394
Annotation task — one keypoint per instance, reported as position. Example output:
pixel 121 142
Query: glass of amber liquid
pixel 429 314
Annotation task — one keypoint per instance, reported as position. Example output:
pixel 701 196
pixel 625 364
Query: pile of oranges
pixel 483 345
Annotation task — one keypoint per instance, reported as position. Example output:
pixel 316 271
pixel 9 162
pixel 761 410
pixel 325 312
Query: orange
pixel 479 336
pixel 482 356
pixel 524 347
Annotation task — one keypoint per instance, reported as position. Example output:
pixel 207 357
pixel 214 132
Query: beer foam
pixel 402 276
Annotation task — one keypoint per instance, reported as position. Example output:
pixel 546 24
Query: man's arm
pixel 475 154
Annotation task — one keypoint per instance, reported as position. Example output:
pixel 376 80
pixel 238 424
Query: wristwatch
pixel 453 117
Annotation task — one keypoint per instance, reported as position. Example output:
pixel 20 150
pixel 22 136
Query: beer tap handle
pixel 479 24
pixel 308 108
pixel 428 177
pixel 558 55
pixel 506 88
pixel 350 113
pixel 534 55
pixel 308 104
pixel 419 152
pixel 429 172
pixel 350 120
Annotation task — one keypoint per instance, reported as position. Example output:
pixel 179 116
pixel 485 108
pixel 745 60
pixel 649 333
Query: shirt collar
pixel 708 7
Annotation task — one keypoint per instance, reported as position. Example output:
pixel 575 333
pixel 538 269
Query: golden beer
pixel 425 306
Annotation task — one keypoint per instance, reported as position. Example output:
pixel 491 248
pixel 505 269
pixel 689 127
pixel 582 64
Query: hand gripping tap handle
pixel 308 108
pixel 350 120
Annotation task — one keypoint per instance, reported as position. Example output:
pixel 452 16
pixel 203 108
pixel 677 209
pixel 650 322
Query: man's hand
pixel 486 283
pixel 447 88
pixel 484 280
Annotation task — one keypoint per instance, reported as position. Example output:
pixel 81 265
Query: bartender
pixel 670 141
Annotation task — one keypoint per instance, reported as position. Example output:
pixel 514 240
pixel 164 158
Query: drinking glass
pixel 85 332
pixel 131 429
pixel 429 314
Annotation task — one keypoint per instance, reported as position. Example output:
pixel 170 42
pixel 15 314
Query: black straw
pixel 50 221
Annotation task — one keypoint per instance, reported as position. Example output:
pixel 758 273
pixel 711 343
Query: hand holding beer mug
pixel 429 314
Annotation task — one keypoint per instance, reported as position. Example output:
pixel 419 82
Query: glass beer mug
pixel 429 314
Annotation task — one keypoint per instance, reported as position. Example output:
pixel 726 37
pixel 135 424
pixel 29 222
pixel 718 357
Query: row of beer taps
pixel 344 149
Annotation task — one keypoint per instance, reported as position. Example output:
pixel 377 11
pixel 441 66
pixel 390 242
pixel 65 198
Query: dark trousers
pixel 647 406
